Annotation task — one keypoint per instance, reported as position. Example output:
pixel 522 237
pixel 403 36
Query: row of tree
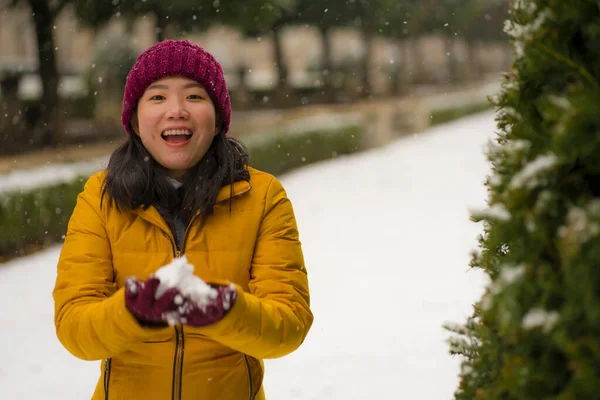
pixel 473 20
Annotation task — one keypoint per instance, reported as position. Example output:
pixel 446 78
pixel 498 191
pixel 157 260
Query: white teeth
pixel 173 132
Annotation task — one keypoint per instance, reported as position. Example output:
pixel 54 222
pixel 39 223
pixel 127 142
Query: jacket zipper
pixel 179 342
pixel 250 384
pixel 179 337
pixel 178 363
pixel 178 356
pixel 107 364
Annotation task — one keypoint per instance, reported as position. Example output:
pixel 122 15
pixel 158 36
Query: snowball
pixel 180 274
pixel 131 286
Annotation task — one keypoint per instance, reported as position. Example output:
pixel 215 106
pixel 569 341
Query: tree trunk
pixel 418 72
pixel 13 135
pixel 408 62
pixel 365 66
pixel 161 27
pixel 50 128
pixel 327 64
pixel 406 72
pixel 241 93
pixel 397 70
pixel 474 60
pixel 452 67
pixel 283 88
pixel 129 25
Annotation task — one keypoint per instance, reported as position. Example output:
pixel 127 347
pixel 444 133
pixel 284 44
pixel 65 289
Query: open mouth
pixel 176 135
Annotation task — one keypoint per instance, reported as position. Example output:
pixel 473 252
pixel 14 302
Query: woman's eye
pixel 194 97
pixel 157 97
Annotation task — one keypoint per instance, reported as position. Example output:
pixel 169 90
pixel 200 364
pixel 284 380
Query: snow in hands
pixel 194 291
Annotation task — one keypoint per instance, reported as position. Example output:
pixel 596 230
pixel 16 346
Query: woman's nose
pixel 177 110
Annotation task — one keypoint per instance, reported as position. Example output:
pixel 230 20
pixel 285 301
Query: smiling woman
pixel 179 187
pixel 179 111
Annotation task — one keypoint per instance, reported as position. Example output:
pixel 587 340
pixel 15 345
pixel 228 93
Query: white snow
pixel 387 241
pixel 496 212
pixel 521 33
pixel 49 175
pixel 509 112
pixel 560 102
pixel 582 224
pixel 539 318
pixel 577 221
pixel 527 5
pixel 179 274
pixel 528 175
pixel 510 274
pixel 517 145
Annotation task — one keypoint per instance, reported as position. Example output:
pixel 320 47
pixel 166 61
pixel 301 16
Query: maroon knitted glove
pixel 141 302
pixel 194 315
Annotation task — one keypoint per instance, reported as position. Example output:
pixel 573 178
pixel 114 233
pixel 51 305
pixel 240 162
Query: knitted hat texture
pixel 176 58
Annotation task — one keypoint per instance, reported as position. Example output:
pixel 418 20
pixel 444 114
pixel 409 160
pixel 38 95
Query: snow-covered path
pixel 386 236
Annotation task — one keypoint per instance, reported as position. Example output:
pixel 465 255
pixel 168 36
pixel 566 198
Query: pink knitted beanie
pixel 177 58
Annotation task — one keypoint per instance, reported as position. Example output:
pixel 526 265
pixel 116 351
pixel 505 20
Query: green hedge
pixel 74 107
pixel 38 217
pixel 283 152
pixel 450 114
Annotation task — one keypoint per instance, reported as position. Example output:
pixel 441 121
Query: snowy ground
pixel 386 235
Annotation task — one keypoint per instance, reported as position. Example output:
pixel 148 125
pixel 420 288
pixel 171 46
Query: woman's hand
pixel 141 301
pixel 172 307
pixel 215 309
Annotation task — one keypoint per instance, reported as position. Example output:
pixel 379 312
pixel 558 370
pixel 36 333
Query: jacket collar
pixel 239 188
pixel 152 215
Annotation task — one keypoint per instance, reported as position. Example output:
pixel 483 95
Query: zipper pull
pixel 178 254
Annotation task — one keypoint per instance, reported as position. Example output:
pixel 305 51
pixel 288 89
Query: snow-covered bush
pixel 535 334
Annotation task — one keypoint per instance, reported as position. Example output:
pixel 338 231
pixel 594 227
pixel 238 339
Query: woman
pixel 180 186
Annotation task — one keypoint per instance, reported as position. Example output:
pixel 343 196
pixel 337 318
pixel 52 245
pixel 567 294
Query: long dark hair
pixel 136 180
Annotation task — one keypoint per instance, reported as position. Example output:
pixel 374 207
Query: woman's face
pixel 175 119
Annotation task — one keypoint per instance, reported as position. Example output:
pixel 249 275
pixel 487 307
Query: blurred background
pixel 63 63
pixel 309 80
pixel 365 109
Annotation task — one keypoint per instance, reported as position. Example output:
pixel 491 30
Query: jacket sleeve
pixel 91 319
pixel 274 317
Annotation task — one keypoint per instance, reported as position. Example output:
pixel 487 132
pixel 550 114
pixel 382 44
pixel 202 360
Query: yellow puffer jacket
pixel 255 246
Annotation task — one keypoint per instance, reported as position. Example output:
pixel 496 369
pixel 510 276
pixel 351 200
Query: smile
pixel 176 137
